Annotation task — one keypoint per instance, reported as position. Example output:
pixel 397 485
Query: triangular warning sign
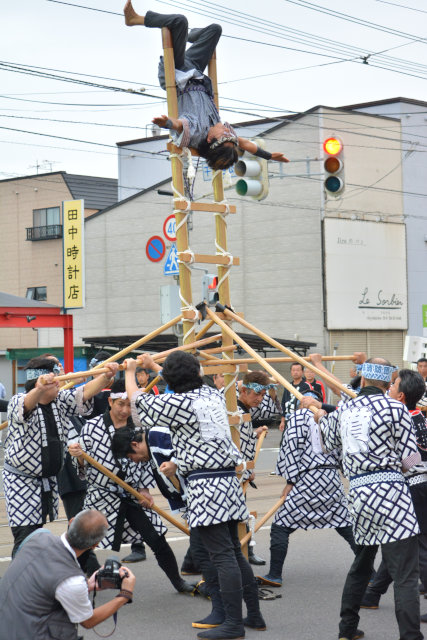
pixel 171 267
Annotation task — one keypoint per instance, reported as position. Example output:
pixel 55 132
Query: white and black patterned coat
pixel 23 450
pixel 317 499
pixel 202 441
pixel 264 411
pixel 104 494
pixel 378 441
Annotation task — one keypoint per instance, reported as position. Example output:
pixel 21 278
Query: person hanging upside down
pixel 198 124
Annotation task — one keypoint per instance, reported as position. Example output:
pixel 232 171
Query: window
pixel 36 293
pixel 46 217
pixel 46 224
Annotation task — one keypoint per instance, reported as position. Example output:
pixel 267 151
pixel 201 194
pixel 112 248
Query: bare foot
pixel 131 17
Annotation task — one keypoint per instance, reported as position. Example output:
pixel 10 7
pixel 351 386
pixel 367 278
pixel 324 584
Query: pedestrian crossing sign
pixel 171 267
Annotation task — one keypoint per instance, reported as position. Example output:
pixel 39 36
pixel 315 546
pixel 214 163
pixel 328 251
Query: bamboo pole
pixel 178 184
pixel 164 514
pixel 263 520
pixel 160 357
pixel 134 345
pixel 205 329
pixel 206 353
pixel 284 359
pixel 294 356
pixel 123 352
pixel 257 357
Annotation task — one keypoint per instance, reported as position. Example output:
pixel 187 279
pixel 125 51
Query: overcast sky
pixel 317 59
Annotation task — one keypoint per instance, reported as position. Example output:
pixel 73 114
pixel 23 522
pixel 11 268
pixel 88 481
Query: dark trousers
pixel 383 579
pixel 199 54
pixel 20 533
pixel 279 542
pixel 223 545
pixel 140 522
pixel 401 560
pixel 199 555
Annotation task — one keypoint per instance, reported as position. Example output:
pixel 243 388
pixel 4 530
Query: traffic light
pixel 253 174
pixel 333 165
pixel 210 289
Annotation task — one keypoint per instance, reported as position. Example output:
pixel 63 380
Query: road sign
pixel 171 265
pixel 155 249
pixel 169 228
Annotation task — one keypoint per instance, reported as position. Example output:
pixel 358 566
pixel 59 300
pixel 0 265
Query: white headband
pixel 116 396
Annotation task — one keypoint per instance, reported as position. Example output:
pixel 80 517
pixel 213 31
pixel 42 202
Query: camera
pixel 108 577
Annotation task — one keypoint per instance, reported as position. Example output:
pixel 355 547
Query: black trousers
pixel 20 533
pixel 383 579
pixel 139 521
pixel 279 542
pixel 401 560
pixel 223 545
pixel 199 54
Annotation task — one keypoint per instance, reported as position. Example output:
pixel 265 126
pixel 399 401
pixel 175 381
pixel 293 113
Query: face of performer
pixel 218 380
pixel 140 452
pixel 394 391
pixel 119 411
pixel 297 373
pixel 250 397
pixel 217 131
pixel 142 378
pixel 422 369
pixel 61 372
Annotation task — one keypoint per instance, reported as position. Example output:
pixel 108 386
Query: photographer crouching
pixel 44 593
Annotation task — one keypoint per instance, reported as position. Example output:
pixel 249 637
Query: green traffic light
pixel 241 187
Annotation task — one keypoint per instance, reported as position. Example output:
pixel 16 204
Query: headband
pixel 223 139
pixel 122 395
pixel 32 374
pixel 373 371
pixel 257 387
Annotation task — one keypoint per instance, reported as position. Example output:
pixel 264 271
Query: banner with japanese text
pixel 73 254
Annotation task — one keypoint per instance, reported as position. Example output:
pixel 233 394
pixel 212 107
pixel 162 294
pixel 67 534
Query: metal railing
pixel 48 232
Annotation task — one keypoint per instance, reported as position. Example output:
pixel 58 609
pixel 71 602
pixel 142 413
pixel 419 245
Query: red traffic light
pixel 332 146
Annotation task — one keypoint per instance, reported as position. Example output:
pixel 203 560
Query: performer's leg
pixel 422 545
pixel 347 534
pixel 178 25
pixel 217 539
pixel 377 587
pixel 279 541
pixel 201 556
pixel 254 617
pixel 401 559
pixel 189 565
pixel 137 552
pixel 205 42
pixel 354 588
pixel 165 557
pixel 20 533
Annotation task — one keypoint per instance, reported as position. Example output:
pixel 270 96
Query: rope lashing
pixel 189 252
pixel 191 171
pixel 186 306
pixel 232 382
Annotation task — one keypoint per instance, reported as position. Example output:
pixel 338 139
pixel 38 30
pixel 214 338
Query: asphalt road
pixel 314 574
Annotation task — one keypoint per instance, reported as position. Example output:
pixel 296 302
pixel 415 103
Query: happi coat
pixel 204 451
pixel 104 494
pixel 378 443
pixel 317 499
pixel 31 448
